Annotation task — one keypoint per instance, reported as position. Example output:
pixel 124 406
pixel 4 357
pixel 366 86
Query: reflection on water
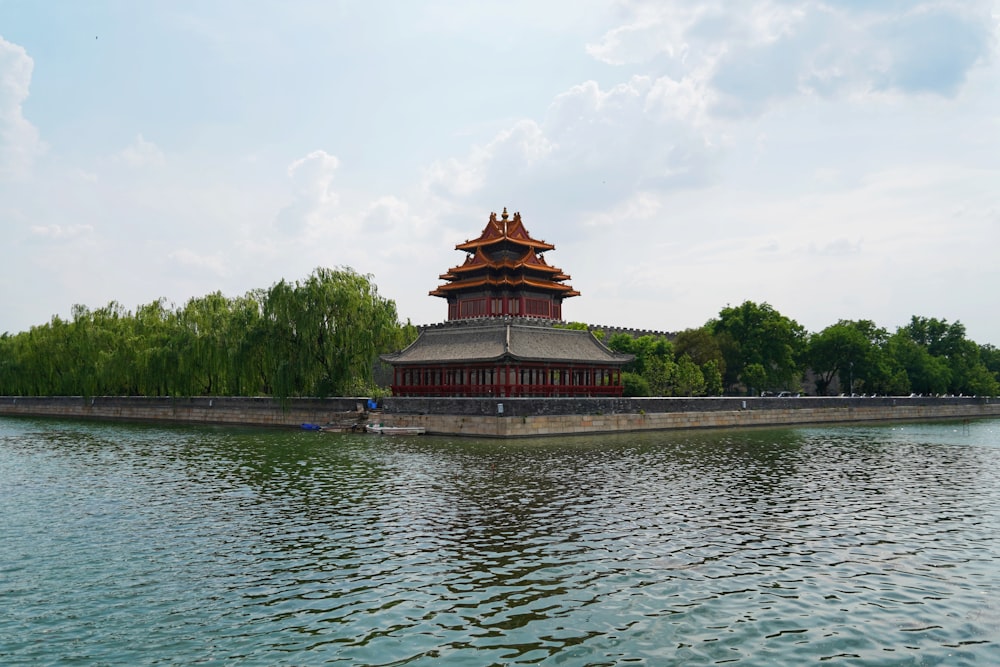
pixel 127 544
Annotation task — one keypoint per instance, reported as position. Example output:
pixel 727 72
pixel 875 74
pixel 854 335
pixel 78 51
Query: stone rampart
pixel 671 414
pixel 513 417
pixel 208 410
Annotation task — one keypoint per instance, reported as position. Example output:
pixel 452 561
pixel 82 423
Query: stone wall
pixel 527 407
pixel 696 413
pixel 217 410
pixel 512 417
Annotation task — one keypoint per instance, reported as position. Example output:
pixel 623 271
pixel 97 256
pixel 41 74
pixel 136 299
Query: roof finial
pixel 505 216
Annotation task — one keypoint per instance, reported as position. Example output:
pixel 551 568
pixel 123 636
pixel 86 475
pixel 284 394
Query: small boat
pixel 395 430
pixel 334 428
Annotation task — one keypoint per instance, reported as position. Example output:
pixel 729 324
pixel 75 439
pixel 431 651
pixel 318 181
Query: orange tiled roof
pixel 478 260
pixel 489 262
pixel 497 231
pixel 504 281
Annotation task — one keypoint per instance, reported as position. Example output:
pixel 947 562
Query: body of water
pixel 853 545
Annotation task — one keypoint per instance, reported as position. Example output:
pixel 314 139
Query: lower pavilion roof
pixel 506 281
pixel 514 339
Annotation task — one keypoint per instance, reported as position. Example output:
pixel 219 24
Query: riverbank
pixel 511 417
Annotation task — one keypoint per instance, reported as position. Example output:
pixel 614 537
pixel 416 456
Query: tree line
pixel 752 348
pixel 316 337
pixel 322 337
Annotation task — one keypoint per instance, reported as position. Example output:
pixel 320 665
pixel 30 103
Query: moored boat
pixel 395 430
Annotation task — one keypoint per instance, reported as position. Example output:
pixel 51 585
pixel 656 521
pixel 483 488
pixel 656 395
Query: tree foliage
pixel 926 356
pixel 317 337
pixel 657 370
pixel 701 346
pixel 320 337
pixel 653 360
pixel 762 348
pixel 846 351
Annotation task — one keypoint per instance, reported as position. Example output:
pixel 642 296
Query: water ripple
pixel 148 545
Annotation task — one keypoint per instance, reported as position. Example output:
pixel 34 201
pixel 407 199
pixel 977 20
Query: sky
pixel 836 159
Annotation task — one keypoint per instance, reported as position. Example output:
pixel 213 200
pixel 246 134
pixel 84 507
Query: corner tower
pixel 502 336
pixel 505 274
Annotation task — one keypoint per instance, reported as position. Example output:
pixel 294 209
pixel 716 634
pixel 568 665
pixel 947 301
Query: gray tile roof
pixel 496 340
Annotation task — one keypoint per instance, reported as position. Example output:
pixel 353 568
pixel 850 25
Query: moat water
pixel 156 545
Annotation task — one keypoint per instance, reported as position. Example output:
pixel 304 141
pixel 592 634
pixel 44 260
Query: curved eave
pixel 504 265
pixel 504 230
pixel 504 358
pixel 505 281
pixel 501 342
pixel 538 246
pixel 612 361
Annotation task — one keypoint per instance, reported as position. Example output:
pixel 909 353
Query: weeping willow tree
pixel 317 337
pixel 326 331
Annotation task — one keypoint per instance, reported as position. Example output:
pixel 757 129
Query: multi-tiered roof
pixel 502 337
pixel 505 273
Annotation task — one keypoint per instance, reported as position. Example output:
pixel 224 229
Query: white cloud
pixel 20 144
pixel 511 154
pixel 61 232
pixel 689 31
pixel 932 48
pixel 142 153
pixel 687 99
pixel 835 158
pixel 83 176
pixel 314 199
pixel 836 247
pixel 393 215
pixel 653 29
pixel 642 207
pixel 313 174
pixel 743 57
pixel 186 257
pixel 594 149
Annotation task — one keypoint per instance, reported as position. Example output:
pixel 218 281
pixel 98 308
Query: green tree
pixel 936 336
pixel 316 337
pixel 208 337
pixel 850 350
pixel 158 360
pixel 705 350
pixel 698 344
pixel 689 380
pixel 947 360
pixel 634 385
pixel 762 347
pixel 713 378
pixel 247 352
pixel 981 382
pixel 925 373
pixel 653 360
pixel 990 357
pixel 326 333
